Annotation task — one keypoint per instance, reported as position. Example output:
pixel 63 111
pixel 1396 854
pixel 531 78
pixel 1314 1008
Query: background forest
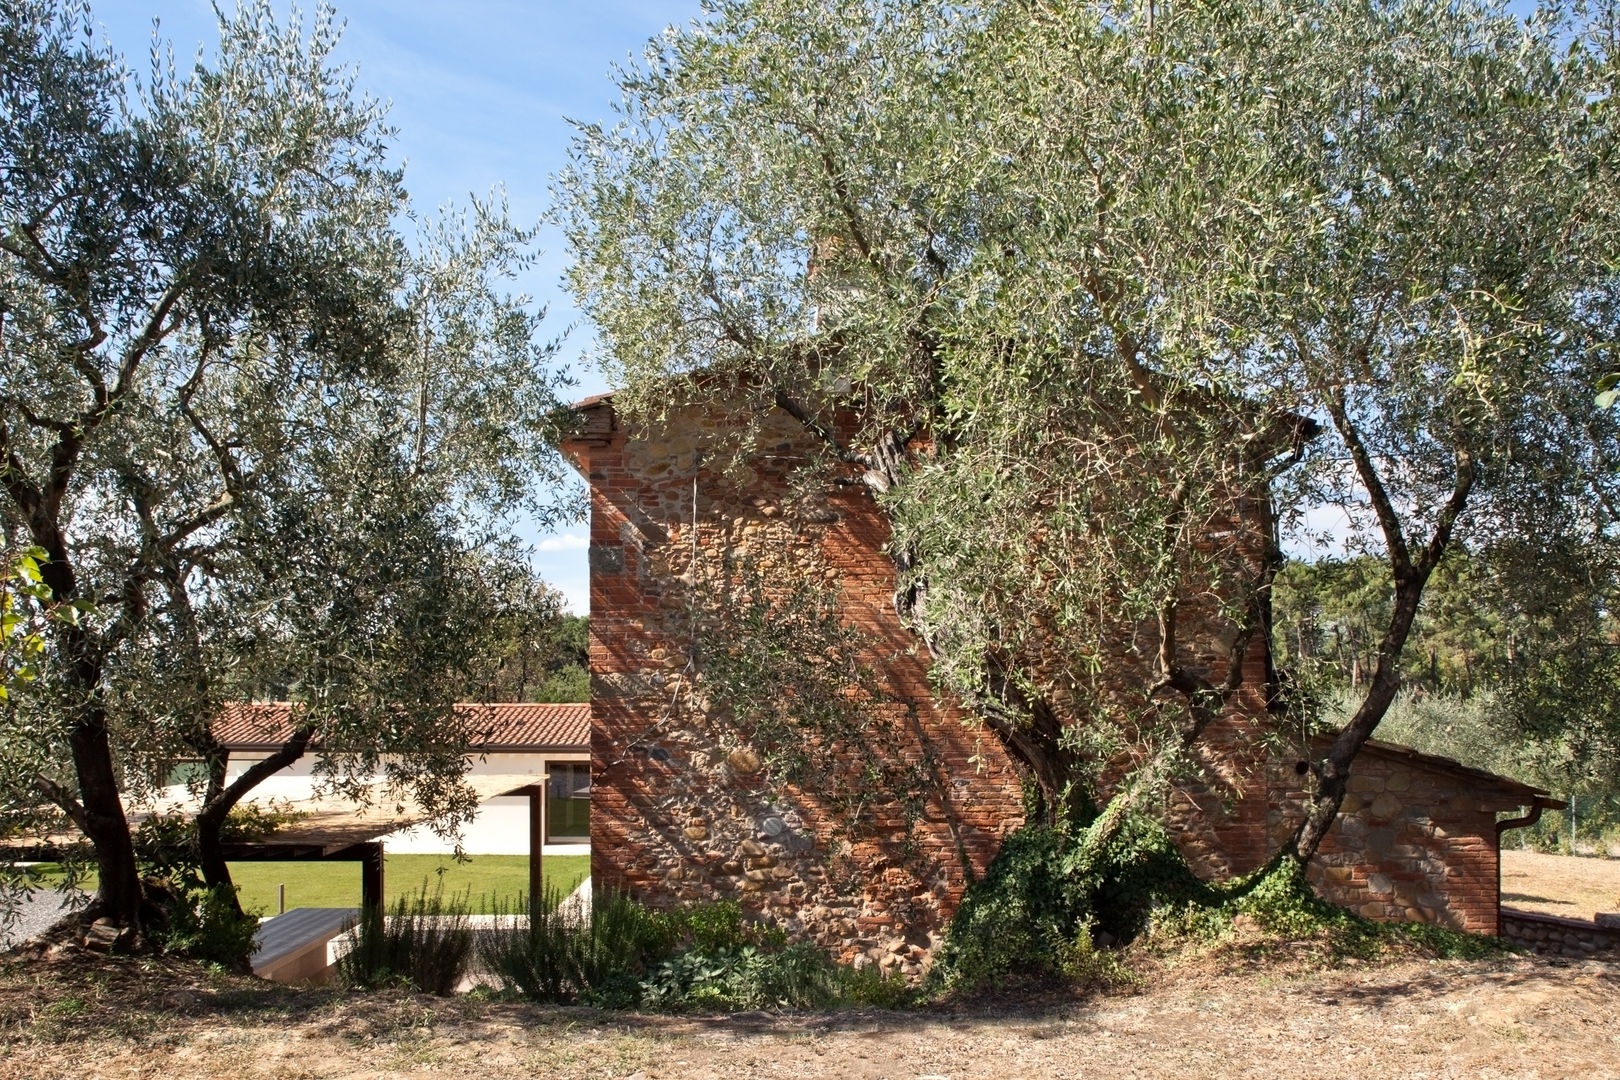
pixel 1512 666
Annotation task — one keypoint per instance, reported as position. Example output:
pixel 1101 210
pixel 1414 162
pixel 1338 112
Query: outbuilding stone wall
pixel 1551 935
pixel 1415 841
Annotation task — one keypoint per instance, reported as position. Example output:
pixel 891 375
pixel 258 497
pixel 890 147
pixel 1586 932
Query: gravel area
pixel 41 908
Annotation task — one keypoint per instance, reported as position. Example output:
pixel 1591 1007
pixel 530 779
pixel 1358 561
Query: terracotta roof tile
pixel 507 726
pixel 592 401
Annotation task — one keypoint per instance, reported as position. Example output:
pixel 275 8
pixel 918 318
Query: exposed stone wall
pixel 1551 935
pixel 681 808
pixel 1411 842
pixel 1219 822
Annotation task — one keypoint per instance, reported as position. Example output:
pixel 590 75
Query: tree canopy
pixel 1111 292
pixel 264 433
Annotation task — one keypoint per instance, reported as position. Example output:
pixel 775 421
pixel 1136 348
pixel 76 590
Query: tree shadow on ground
pixel 1376 991
pixel 1529 898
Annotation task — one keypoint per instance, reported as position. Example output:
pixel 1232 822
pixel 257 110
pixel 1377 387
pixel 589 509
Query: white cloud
pixel 564 542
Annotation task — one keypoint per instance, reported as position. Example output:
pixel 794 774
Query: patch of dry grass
pixel 1564 885
pixel 1209 1017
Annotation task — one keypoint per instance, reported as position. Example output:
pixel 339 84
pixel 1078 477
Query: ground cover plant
pixel 702 957
pixel 1220 1016
pixel 422 941
pixel 1035 918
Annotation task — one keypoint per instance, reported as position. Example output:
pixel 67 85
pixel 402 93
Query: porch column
pixel 537 841
pixel 371 876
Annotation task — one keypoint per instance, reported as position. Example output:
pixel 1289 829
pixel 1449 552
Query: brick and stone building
pixel 1417 839
pixel 680 807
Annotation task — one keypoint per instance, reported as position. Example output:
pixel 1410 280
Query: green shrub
pixel 1037 914
pixel 695 958
pixel 558 958
pixel 1083 963
pixel 795 977
pixel 207 925
pixel 425 942
pixel 1280 902
pixel 714 927
pixel 870 986
pixel 201 921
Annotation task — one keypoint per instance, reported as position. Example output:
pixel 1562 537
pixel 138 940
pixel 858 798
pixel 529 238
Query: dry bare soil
pixel 1559 884
pixel 1252 1011
pixel 1510 1017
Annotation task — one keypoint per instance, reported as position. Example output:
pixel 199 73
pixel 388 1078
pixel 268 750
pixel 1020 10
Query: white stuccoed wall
pixel 501 827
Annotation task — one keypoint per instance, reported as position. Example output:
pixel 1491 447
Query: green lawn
pixel 490 880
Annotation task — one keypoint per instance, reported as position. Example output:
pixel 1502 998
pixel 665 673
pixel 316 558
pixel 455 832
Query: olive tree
pixel 263 439
pixel 1442 256
pixel 1092 298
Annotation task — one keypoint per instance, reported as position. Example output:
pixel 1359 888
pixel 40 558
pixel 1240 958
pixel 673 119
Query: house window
pixel 189 773
pixel 568 802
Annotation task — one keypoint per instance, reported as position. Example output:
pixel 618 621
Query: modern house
pixel 521 743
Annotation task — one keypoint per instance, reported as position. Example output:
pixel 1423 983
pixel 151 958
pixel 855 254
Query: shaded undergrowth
pixel 610 953
pixel 699 957
pixel 1050 911
pixel 425 942
pixel 1274 905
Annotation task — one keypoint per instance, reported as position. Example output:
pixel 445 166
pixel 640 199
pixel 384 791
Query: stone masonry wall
pixel 1551 935
pixel 1411 842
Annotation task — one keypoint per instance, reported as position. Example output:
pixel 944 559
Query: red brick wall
pixel 681 809
pixel 1412 843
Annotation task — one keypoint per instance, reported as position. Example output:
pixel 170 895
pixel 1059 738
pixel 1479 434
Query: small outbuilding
pixel 1418 838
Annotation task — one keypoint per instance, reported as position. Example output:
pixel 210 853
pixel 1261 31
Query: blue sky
pixel 482 91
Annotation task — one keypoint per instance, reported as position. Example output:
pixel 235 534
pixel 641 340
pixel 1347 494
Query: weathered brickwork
pixel 1415 841
pixel 681 806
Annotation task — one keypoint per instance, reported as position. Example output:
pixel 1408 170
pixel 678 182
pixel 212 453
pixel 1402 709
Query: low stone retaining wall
pixel 1551 935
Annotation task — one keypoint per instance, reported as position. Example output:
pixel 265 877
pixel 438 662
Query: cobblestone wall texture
pixel 1554 936
pixel 1415 839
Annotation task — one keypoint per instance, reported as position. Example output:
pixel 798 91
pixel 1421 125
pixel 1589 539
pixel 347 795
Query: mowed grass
pixel 489 882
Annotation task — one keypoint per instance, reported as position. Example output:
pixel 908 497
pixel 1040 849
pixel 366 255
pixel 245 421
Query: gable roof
pixel 505 726
pixel 1512 792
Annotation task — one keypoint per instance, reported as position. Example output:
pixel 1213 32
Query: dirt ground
pixel 1508 1017
pixel 1560 885
pixel 1235 1012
